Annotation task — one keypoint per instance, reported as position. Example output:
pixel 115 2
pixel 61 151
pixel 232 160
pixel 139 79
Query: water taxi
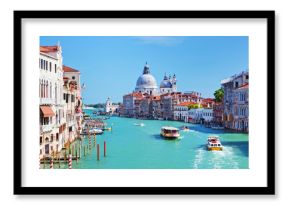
pixel 213 143
pixel 170 132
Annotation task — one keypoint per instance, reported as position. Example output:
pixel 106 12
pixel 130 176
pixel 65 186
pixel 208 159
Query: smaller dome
pixel 165 84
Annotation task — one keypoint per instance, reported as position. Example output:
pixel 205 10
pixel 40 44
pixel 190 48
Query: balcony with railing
pixel 46 128
pixel 47 101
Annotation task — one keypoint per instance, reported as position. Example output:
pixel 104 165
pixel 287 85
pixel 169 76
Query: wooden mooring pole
pixel 51 163
pixel 105 148
pixel 98 152
pixel 80 150
pixel 70 161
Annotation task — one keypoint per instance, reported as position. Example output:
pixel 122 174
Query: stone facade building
pixel 51 104
pixel 60 102
pixel 236 91
pixel 73 103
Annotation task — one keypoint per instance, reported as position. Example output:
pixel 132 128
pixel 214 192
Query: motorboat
pixel 108 128
pixel 95 131
pixel 185 128
pixel 170 132
pixel 214 144
pixel 139 124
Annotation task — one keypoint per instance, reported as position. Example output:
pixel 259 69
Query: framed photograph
pixel 144 102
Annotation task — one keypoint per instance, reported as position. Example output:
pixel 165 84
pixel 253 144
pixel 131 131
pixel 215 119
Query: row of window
pixel 181 109
pixel 45 89
pixel 46 149
pixel 241 125
pixel 45 120
pixel 41 139
pixel 242 97
pixel 68 98
pixel 241 111
pixel 207 114
pixel 46 65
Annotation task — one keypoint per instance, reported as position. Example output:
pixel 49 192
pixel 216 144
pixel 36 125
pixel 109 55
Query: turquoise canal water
pixel 135 147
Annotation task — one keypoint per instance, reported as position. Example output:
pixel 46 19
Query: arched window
pixel 55 92
pixel 46 89
pixel 43 87
pixel 39 88
pixel 50 90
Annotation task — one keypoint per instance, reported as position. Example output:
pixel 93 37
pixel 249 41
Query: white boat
pixel 95 131
pixel 139 124
pixel 185 128
pixel 217 127
pixel 170 132
pixel 214 143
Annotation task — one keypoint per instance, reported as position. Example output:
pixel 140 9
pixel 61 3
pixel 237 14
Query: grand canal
pixel 134 147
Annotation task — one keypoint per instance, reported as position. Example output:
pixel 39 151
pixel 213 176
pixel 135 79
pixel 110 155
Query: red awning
pixel 46 111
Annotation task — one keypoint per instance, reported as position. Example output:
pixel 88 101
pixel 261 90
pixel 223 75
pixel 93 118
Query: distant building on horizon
pixel 150 102
pixel 147 83
pixel 110 107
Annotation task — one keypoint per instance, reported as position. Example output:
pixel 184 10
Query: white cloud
pixel 160 40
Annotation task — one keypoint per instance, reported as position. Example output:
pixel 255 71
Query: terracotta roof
pixel 69 70
pixel 137 94
pixel 186 103
pixel 155 98
pixel 48 49
pixel 245 86
pixel 46 111
pixel 208 100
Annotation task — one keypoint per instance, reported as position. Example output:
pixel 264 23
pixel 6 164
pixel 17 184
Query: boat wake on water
pixel 225 159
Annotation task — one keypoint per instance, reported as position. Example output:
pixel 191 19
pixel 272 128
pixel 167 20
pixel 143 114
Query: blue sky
pixel 111 65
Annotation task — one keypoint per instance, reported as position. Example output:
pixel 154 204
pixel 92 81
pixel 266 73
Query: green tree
pixel 219 95
pixel 194 106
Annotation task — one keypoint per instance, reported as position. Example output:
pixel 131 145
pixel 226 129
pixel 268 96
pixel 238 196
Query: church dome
pixel 165 84
pixel 146 80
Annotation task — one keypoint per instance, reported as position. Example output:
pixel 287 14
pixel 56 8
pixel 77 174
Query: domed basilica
pixel 146 83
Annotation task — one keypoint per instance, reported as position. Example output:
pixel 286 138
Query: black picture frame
pixel 268 190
